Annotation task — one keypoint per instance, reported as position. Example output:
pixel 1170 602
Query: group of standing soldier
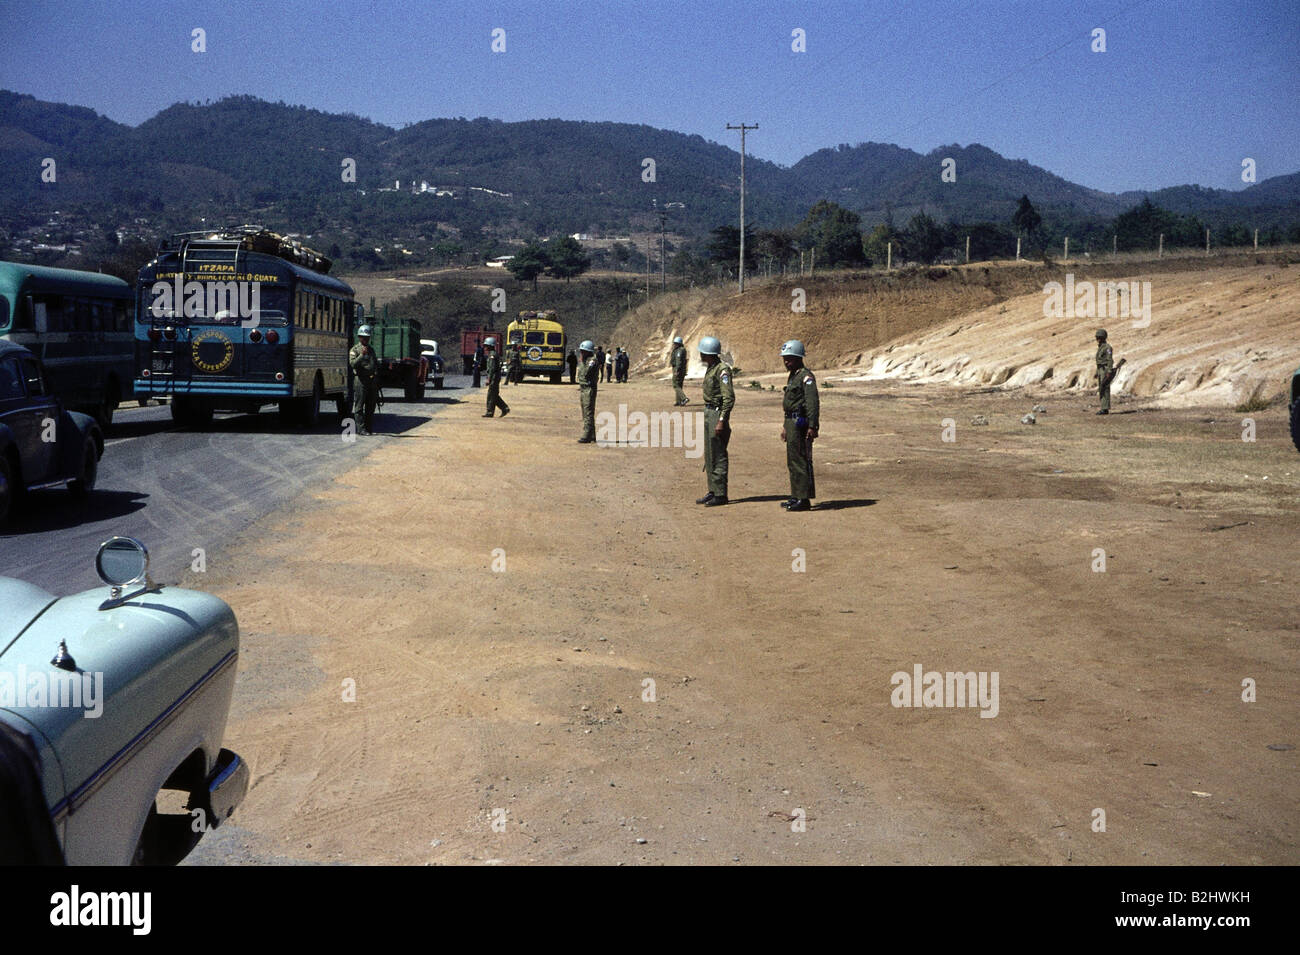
pixel 800 406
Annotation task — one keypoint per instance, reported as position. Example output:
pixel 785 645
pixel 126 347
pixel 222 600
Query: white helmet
pixel 710 346
pixel 793 347
pixel 489 343
pixel 677 340
pixel 588 346
pixel 363 331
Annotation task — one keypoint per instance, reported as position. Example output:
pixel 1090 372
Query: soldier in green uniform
pixel 719 399
pixel 588 377
pixel 678 362
pixel 494 381
pixel 1104 365
pixel 516 365
pixel 365 366
pixel 802 418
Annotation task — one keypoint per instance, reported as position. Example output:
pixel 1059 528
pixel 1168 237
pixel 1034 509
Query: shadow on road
pixel 842 505
pixel 128 427
pixel 54 509
pixel 759 498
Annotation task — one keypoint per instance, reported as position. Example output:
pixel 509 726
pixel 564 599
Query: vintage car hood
pixel 20 604
pixel 136 666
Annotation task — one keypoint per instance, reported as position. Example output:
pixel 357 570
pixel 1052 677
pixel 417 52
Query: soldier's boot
pixel 1103 411
pixel 586 440
pixel 505 411
pixel 790 502
pixel 803 504
pixel 705 499
pixel 716 500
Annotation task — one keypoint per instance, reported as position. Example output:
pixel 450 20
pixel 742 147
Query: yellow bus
pixel 542 342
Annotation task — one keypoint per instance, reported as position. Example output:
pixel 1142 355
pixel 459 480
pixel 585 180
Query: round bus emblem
pixel 212 352
pixel 534 354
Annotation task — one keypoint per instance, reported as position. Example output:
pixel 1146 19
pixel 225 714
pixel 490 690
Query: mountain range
pixel 286 166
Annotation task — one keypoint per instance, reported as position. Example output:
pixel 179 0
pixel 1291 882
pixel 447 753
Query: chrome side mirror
pixel 123 561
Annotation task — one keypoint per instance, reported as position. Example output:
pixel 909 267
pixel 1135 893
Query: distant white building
pixel 581 236
pixel 499 262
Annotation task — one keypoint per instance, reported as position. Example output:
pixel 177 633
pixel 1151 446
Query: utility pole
pixel 742 127
pixel 663 262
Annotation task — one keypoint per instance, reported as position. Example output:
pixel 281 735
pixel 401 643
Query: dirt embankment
pixel 1214 332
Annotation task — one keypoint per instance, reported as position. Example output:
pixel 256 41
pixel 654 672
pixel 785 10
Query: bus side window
pixel 41 315
pixel 23 320
pixel 121 317
pixel 80 316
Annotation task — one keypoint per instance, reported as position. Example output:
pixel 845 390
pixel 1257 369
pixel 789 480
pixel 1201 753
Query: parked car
pixel 41 443
pixel 107 698
pixel 429 350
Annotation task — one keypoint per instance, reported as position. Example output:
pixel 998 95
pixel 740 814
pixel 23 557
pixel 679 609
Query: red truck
pixel 471 338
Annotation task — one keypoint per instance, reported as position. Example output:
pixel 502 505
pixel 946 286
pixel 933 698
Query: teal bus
pixel 236 320
pixel 79 325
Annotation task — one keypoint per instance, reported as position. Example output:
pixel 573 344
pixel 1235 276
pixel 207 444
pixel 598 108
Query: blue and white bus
pixel 79 325
pixel 237 320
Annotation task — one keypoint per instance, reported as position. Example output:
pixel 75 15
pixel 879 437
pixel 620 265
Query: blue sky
pixel 1184 92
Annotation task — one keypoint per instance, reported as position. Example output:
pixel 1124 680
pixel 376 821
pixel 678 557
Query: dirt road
pixel 518 696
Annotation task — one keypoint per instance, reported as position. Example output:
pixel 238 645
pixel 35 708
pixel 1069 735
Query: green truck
pixel 397 345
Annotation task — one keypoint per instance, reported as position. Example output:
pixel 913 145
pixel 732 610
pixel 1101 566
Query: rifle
pixel 1113 372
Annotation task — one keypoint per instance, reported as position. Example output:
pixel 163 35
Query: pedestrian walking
pixel 600 361
pixel 494 381
pixel 678 363
pixel 365 369
pixel 802 419
pixel 478 364
pixel 609 365
pixel 588 376
pixel 719 399
pixel 573 366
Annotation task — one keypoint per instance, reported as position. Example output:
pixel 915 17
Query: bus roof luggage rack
pixel 224 245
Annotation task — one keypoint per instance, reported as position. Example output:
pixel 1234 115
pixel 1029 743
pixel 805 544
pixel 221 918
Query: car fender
pixel 84 426
pixel 165 667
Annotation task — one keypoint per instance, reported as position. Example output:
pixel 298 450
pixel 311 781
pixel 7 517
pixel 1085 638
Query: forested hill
pixel 244 158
